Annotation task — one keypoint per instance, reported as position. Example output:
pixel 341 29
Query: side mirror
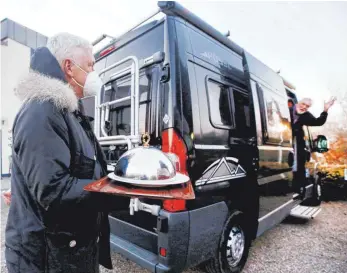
pixel 321 144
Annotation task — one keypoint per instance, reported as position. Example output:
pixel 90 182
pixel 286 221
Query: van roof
pixel 127 37
pixel 173 8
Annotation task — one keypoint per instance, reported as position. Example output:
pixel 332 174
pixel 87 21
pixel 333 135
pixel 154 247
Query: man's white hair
pixel 65 46
pixel 306 100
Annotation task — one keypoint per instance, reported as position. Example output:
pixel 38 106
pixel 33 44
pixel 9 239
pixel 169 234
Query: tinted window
pixel 242 114
pixel 120 114
pixel 219 104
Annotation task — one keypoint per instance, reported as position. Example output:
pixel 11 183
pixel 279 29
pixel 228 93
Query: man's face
pixel 76 70
pixel 303 107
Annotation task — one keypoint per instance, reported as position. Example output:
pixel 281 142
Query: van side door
pixel 274 137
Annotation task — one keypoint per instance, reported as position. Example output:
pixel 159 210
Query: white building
pixel 17 45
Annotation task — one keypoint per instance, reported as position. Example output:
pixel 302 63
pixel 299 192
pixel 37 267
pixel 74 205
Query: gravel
pixel 318 245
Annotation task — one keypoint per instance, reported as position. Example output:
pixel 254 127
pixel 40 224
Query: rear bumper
pixel 140 256
pixel 189 238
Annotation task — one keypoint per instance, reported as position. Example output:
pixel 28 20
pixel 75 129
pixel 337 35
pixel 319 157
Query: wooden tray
pixel 105 185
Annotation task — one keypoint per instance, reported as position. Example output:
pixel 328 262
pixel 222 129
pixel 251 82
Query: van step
pixel 305 212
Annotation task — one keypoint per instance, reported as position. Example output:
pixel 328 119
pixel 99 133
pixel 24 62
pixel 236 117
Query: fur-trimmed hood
pixel 36 86
pixel 46 82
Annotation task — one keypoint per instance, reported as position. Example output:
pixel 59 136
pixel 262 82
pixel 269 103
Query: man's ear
pixel 67 67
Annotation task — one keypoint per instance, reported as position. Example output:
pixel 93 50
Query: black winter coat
pixel 53 224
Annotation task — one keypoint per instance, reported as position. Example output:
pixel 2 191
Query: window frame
pixel 229 90
pixel 127 78
pixel 150 100
pixel 243 93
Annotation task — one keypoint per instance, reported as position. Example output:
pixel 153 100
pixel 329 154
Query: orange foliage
pixel 338 151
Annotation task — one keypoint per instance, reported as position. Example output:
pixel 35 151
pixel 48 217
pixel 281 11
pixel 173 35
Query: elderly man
pixel 301 117
pixel 53 224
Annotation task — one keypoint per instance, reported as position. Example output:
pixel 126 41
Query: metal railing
pixel 102 110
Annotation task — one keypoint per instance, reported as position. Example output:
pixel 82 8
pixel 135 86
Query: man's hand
pixel 7 197
pixel 328 104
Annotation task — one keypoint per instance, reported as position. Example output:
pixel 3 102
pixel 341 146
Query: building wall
pixel 15 62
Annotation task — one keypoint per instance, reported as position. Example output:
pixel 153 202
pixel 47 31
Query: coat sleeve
pixel 41 144
pixel 310 120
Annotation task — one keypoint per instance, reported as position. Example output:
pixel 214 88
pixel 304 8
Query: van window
pixel 219 104
pixel 241 113
pixel 120 113
pixel 276 118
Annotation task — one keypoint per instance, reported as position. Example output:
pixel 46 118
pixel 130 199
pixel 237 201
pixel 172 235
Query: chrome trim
pixel 211 147
pixel 266 147
pixel 275 210
pixel 309 186
pixel 268 179
pixel 134 97
pixel 120 74
pixel 119 140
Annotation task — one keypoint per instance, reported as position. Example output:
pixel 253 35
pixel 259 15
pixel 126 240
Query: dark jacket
pixel 301 154
pixel 53 224
pixel 300 120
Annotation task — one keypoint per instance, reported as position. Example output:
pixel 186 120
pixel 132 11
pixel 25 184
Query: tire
pixel 221 263
pixel 316 199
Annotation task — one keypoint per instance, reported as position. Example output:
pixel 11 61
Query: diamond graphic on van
pixel 223 169
pixel 166 118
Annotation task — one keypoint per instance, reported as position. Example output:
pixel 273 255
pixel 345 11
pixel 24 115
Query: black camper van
pixel 224 116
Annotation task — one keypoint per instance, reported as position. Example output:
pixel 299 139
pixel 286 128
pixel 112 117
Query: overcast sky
pixel 307 41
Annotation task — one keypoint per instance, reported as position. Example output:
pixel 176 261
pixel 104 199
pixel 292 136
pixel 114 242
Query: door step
pixel 305 212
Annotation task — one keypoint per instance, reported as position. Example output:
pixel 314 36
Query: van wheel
pixel 233 248
pixel 316 199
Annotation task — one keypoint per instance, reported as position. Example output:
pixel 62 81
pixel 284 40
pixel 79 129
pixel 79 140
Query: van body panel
pixel 227 107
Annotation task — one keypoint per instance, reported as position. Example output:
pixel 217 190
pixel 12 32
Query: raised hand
pixel 329 103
